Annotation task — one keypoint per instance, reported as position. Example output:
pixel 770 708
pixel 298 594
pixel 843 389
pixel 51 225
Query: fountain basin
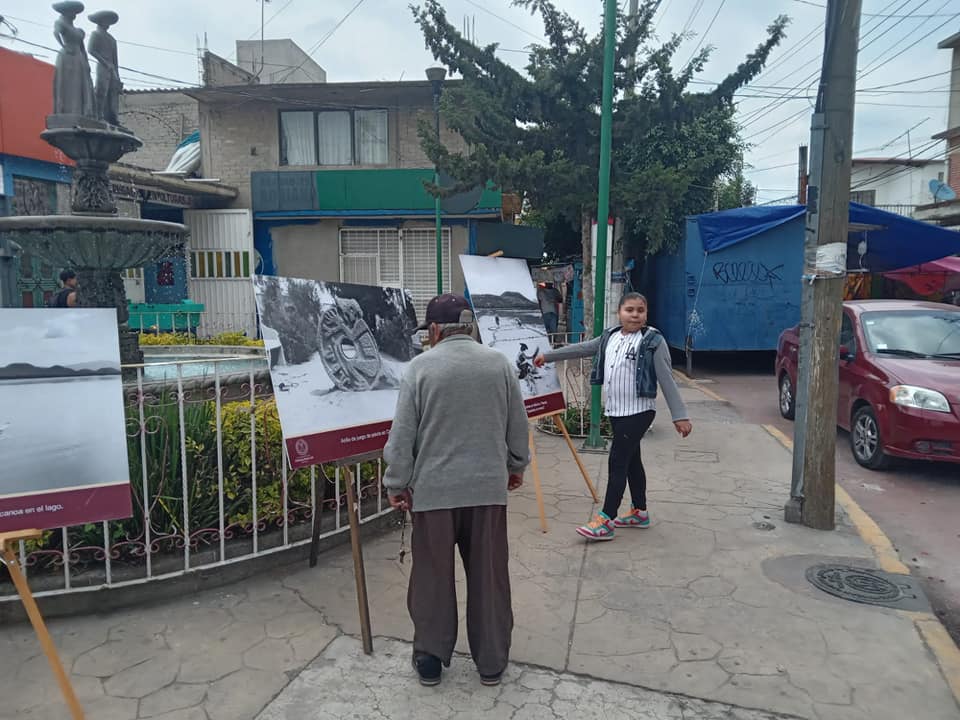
pixel 95 242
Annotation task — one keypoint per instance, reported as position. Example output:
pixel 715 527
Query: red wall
pixel 26 98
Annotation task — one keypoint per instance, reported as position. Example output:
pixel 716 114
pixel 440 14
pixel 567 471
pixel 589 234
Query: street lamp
pixel 436 76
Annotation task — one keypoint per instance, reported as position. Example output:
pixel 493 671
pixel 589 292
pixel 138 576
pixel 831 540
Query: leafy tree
pixel 735 190
pixel 538 133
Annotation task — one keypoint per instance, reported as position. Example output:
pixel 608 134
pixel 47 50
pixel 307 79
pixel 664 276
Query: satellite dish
pixel 461 203
pixel 941 191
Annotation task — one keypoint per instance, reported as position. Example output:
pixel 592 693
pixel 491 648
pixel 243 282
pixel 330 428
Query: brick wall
pixel 243 137
pixel 161 119
pixel 953 164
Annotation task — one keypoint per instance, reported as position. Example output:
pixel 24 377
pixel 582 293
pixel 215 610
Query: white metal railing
pixel 195 324
pixel 210 484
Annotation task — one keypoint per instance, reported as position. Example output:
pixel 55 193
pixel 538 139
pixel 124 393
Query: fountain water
pixel 92 240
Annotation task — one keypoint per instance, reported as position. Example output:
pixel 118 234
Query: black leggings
pixel 624 463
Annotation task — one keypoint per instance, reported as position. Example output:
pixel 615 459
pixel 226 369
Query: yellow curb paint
pixel 782 437
pixel 934 634
pixel 944 650
pixel 709 393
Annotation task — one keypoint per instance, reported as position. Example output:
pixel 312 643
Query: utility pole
pixel 825 255
pixel 603 202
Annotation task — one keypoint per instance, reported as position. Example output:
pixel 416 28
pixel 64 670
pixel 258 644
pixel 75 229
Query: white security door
pixel 221 267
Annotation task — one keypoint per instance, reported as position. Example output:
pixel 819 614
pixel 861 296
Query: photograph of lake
pixel 62 425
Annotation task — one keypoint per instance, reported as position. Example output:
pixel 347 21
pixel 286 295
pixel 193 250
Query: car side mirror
pixel 845 353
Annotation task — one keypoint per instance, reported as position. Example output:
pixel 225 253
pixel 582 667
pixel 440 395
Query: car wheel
pixel 788 400
pixel 865 441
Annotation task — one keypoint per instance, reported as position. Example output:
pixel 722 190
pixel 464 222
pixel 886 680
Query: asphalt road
pixel 916 504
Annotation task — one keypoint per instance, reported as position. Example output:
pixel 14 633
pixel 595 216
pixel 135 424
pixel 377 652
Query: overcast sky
pixel 58 337
pixel 378 40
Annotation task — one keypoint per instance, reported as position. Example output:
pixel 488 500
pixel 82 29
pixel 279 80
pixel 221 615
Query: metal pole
pixel 436 199
pixel 603 202
pixel 828 201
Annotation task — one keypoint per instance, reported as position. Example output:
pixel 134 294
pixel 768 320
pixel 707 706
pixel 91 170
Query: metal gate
pixel 221 265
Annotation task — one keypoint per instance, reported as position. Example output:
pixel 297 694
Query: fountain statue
pixel 85 126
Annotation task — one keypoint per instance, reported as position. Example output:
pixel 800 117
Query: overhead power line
pixel 707 31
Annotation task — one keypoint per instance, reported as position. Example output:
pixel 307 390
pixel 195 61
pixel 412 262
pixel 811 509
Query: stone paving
pixel 704 615
pixel 354 686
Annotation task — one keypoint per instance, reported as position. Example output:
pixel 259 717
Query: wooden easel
pixel 358 568
pixel 7 553
pixel 535 470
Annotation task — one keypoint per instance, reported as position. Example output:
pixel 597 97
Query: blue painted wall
pixel 738 298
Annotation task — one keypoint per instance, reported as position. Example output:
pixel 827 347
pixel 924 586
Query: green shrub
pixel 228 338
pixel 164 481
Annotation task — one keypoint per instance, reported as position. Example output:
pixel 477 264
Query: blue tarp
pixel 729 227
pixel 897 243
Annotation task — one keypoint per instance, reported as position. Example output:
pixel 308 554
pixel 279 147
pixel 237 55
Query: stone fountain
pixel 85 126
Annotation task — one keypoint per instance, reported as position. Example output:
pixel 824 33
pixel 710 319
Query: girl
pixel 629 361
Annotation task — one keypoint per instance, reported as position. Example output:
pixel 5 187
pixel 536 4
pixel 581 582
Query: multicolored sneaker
pixel 600 528
pixel 634 519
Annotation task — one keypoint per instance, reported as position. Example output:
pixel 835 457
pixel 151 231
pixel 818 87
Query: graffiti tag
pixel 747 272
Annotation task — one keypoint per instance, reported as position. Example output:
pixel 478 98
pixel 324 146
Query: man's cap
pixel 447 309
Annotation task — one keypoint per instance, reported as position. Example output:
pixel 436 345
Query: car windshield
pixel 913 333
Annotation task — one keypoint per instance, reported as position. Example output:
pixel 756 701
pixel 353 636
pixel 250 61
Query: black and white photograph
pixel 337 353
pixel 62 426
pixel 504 300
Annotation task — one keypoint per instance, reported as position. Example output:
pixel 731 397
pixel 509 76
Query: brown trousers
pixel 481 535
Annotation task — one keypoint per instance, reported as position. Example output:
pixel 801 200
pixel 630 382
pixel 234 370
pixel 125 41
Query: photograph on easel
pixel 337 353
pixel 63 438
pixel 504 300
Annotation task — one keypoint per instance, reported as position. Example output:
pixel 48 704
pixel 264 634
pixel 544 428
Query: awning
pixel 939 276
pixel 892 241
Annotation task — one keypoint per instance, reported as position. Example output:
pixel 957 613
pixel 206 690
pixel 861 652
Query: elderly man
pixel 458 444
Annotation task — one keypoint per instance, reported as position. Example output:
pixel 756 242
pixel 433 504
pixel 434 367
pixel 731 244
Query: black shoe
pixel 491 680
pixel 428 668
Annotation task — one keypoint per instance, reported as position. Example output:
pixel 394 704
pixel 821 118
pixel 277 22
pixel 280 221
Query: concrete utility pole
pixel 825 256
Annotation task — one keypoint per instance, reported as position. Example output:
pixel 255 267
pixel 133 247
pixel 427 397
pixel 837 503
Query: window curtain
pixel 371 134
pixel 333 130
pixel 298 141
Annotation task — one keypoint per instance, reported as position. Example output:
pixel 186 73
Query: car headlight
pixel 920 398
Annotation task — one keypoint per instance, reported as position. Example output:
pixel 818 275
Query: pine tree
pixel 538 132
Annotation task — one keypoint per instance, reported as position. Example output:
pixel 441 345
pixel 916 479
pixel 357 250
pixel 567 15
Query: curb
pixel 931 630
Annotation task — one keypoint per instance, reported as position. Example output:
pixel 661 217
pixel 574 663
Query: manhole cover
pixel 861 585
pixel 696 456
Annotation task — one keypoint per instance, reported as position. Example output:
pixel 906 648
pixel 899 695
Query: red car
pixel 899 380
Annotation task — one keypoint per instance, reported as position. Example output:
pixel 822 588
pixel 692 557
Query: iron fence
pixel 210 484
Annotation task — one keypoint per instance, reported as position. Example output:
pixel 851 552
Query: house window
pixel 389 257
pixel 219 264
pixel 334 137
pixel 864 197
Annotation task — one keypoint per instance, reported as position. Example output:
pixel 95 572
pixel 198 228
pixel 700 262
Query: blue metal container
pixel 739 297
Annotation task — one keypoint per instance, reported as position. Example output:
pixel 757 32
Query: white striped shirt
pixel 620 376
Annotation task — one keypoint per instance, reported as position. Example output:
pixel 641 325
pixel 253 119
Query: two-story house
pixel 333 174
pixel 947 211
pixel 895 184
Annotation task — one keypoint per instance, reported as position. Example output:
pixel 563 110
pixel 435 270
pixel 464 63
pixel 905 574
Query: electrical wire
pixel 706 32
pixel 320 43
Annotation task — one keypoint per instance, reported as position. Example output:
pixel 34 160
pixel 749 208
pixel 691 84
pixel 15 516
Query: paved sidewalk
pixel 709 604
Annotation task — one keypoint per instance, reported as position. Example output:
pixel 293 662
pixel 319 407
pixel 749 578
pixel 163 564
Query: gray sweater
pixel 661 363
pixel 460 428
